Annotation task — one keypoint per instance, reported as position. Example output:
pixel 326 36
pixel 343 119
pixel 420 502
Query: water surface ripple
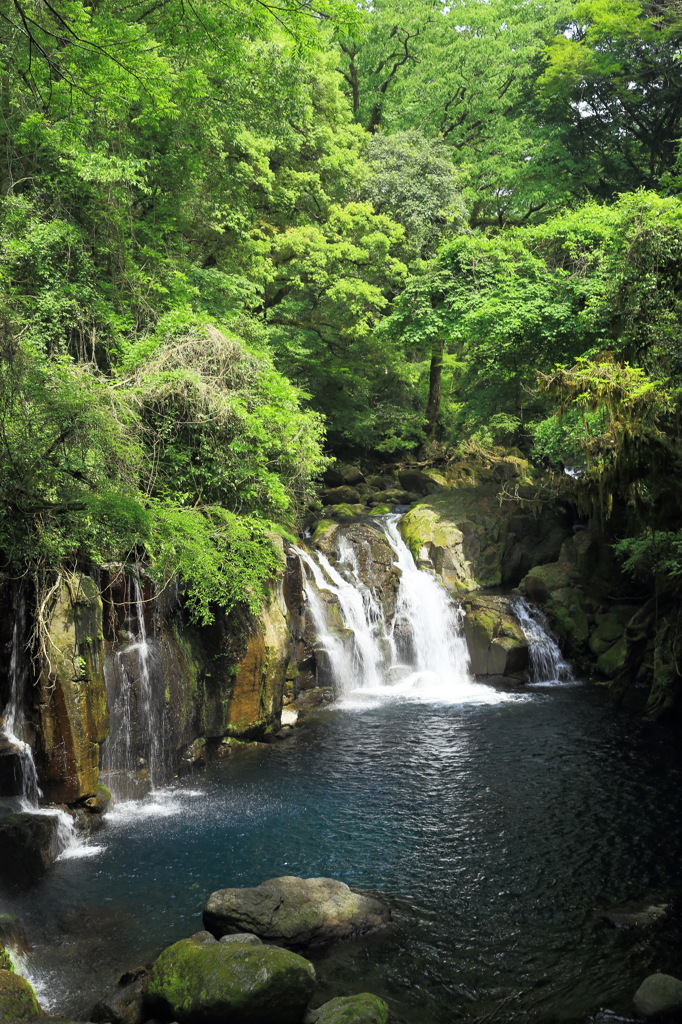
pixel 497 830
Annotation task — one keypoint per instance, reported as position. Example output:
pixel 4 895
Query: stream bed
pixel 499 826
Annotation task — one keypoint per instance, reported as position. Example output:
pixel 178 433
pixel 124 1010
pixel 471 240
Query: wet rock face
pixel 29 844
pixel 17 999
pixel 497 644
pixel 470 539
pixel 211 982
pixel 296 912
pixel 73 711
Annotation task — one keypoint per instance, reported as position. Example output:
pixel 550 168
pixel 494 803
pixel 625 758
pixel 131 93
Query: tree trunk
pixel 435 390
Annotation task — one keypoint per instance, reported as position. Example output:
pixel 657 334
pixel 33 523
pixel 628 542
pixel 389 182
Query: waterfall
pixel 14 714
pixel 417 653
pixel 546 660
pixel 132 755
pixel 14 727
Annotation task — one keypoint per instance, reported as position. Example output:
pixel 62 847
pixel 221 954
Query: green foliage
pixel 652 554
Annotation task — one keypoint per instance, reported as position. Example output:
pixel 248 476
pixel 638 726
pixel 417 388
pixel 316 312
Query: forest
pixel 239 238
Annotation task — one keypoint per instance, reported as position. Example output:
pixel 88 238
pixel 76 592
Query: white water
pixel 14 714
pixel 547 663
pixel 136 703
pixel 420 654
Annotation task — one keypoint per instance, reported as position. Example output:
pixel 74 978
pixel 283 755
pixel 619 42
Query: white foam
pixel 78 852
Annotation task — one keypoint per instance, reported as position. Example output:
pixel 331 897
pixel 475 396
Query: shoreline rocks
pixel 201 982
pixel 295 912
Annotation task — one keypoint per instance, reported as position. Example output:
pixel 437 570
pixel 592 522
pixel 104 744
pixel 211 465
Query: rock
pixel 17 999
pixel 201 983
pixel 29 844
pixel 659 995
pixel 394 496
pixel 248 938
pixel 340 496
pixel 417 481
pixel 340 473
pixel 5 959
pixel 72 698
pixel 295 912
pixel 123 1003
pixel 497 644
pixel 613 660
pixel 364 1008
pixel 345 511
pixel 637 914
pixel 260 673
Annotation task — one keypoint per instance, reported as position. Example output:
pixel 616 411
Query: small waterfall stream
pixel 132 756
pixel 417 652
pixel 14 714
pixel 547 663
pixel 15 729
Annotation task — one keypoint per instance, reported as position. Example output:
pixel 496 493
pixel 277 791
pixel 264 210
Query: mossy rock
pixel 613 660
pixel 196 982
pixel 17 999
pixel 659 997
pixel 567 611
pixel 345 511
pixel 364 1008
pixel 380 510
pixel 610 628
pixel 340 496
pixel 497 644
pixel 5 959
pixel 295 912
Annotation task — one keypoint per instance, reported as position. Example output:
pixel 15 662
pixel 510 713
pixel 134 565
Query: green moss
pixel 5 959
pixel 380 510
pixel 364 1008
pixel 322 527
pixel 17 998
pixel 210 981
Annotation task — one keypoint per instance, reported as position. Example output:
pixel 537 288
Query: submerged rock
pixel 364 1008
pixel 17 999
pixel 637 914
pixel 210 983
pixel 659 995
pixel 123 1003
pixel 296 912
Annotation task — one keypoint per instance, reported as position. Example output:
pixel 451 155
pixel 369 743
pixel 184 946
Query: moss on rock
pixel 208 983
pixel 17 999
pixel 363 1008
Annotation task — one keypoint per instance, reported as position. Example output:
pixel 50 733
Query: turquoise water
pixel 497 831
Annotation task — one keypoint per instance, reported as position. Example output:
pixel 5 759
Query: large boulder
pixel 417 481
pixel 659 996
pixel 497 644
pixel 296 912
pixel 363 1008
pixel 29 844
pixel 211 982
pixel 344 495
pixel 122 1004
pixel 17 999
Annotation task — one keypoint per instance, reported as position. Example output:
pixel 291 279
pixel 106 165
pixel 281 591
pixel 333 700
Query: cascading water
pixel 546 660
pixel 134 748
pixel 14 714
pixel 14 727
pixel 417 652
